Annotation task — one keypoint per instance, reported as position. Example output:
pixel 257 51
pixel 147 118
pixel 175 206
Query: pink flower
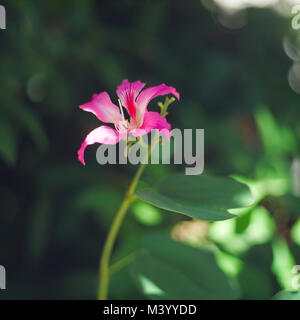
pixel 135 101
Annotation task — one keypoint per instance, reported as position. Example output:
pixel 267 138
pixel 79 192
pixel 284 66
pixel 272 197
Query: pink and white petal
pixel 102 107
pixel 150 93
pixel 103 134
pixel 128 92
pixel 152 121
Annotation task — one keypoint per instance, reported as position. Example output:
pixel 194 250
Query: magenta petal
pixel 103 134
pixel 153 120
pixel 81 152
pixel 102 107
pixel 127 92
pixel 150 93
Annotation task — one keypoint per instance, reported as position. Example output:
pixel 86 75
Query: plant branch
pixel 113 232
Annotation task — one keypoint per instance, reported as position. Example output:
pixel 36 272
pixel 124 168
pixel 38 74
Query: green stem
pixel 104 270
pixel 122 263
pixel 113 232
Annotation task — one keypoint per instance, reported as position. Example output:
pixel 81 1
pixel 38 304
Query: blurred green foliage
pixel 55 213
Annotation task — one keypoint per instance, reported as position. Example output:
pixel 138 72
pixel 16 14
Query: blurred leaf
pixel 229 263
pixel 39 226
pixel 260 188
pixel 8 142
pixel 122 286
pixel 256 278
pixel 95 204
pixel 61 176
pixel 29 121
pixel 277 140
pixel 256 283
pixel 283 263
pixel 243 222
pixel 295 232
pixel 287 295
pixel 104 201
pixel 165 269
pixel 79 284
pixel 260 229
pixel 291 203
pixel 97 198
pixel 146 214
pixel 201 197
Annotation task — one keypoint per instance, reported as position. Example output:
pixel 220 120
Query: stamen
pixel 120 105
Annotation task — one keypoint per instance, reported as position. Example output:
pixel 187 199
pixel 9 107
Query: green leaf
pixel 277 140
pixel 146 214
pixel 201 197
pixel 295 232
pixel 165 269
pixel 256 279
pixel 287 295
pixel 122 286
pixel 283 262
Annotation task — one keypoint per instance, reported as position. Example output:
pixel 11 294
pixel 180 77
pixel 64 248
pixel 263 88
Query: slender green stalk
pixel 122 263
pixel 113 232
pixel 104 270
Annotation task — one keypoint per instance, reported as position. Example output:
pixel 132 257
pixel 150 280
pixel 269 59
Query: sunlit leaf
pixel 295 232
pixel 283 263
pixel 146 214
pixel 260 229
